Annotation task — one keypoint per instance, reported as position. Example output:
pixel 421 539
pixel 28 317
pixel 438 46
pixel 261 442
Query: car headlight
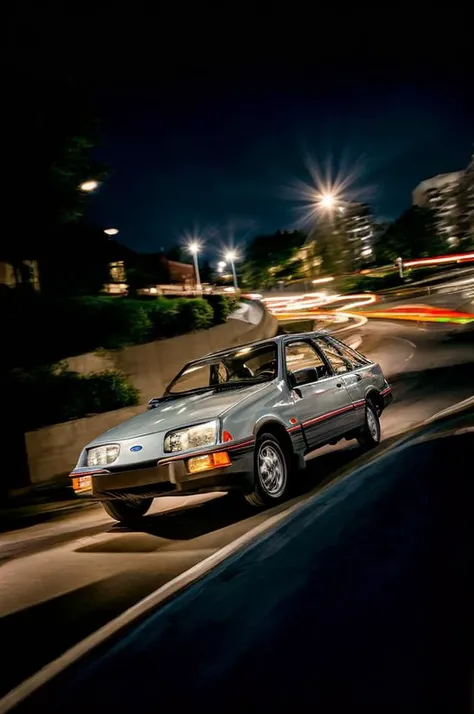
pixel 193 437
pixel 103 455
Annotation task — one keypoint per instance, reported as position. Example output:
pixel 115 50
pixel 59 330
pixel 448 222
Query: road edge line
pixel 450 410
pixel 30 685
pixel 143 607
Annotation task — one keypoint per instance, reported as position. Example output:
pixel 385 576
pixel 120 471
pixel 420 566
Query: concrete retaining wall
pixel 53 450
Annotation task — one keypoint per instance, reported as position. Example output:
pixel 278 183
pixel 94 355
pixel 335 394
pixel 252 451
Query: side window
pixel 336 359
pixel 301 356
pixel 356 358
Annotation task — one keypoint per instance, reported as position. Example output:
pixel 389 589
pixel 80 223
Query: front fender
pixel 272 418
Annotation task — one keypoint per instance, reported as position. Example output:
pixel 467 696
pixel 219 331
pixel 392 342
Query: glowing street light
pixel 194 248
pixel 231 256
pixel 89 186
pixel 327 201
pixel 111 231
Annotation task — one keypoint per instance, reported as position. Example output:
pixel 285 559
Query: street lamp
pixel 111 231
pixel 89 186
pixel 194 248
pixel 327 201
pixel 231 256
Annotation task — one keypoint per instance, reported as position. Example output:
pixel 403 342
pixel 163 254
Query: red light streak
pixel 439 259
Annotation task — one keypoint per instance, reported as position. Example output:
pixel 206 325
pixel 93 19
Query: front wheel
pixel 271 472
pixel 127 512
pixel 369 436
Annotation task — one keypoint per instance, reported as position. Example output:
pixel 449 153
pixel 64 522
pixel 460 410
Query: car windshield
pixel 239 367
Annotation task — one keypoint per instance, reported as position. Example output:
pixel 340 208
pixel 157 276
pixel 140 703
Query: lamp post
pixel 231 256
pixel 194 248
pixel 399 262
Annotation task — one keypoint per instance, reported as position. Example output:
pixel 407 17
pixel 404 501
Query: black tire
pixel 369 436
pixel 127 512
pixel 270 487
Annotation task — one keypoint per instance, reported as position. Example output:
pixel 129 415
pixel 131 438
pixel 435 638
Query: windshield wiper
pixel 156 401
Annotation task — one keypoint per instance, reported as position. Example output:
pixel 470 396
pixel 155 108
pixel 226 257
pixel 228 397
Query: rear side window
pixel 339 363
pixel 353 356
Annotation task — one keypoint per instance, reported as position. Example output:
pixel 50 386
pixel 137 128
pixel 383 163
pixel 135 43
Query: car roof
pixel 257 343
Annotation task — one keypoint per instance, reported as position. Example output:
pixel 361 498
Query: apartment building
pixel 357 223
pixel 441 195
pixel 466 205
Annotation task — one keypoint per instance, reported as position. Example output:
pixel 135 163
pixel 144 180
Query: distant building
pixel 182 273
pixel 441 194
pixel 357 223
pixel 341 241
pixel 25 273
pixel 154 269
pixel 466 204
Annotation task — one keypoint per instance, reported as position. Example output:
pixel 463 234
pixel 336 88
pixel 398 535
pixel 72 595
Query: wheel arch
pixel 373 396
pixel 277 429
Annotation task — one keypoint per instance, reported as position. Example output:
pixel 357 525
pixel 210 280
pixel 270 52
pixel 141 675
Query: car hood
pixel 179 412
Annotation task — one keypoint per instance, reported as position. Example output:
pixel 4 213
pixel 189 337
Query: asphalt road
pixel 62 580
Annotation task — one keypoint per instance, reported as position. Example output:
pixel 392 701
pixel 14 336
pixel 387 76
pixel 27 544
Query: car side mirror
pixel 300 377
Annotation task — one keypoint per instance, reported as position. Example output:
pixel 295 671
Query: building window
pixel 117 272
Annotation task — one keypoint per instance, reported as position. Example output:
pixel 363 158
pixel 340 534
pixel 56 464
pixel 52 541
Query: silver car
pixel 243 419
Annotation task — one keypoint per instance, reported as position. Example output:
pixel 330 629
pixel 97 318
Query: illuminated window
pixel 117 272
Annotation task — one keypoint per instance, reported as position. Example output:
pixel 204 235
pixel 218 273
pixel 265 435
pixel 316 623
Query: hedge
pixel 54 394
pixel 222 306
pixel 38 330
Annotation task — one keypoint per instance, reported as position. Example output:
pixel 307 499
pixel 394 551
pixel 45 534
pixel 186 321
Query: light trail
pixel 440 259
pixel 313 306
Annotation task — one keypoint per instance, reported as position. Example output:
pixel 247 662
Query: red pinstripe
pixel 342 410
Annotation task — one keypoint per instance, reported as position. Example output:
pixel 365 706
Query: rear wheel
pixel 369 436
pixel 271 472
pixel 127 512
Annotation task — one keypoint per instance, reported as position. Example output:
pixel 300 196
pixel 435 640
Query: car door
pixel 353 369
pixel 323 406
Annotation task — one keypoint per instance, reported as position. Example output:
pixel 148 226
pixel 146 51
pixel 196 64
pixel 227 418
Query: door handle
pixel 358 377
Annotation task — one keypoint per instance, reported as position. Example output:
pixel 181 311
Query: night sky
pixel 222 162
pixel 209 135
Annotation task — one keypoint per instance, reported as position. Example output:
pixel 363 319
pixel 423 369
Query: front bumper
pixel 167 477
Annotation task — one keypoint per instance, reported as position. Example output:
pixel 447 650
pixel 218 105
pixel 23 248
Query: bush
pixel 42 330
pixel 195 314
pixel 163 314
pixel 222 307
pixel 50 395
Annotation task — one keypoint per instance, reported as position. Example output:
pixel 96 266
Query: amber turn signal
pixel 209 461
pixel 82 484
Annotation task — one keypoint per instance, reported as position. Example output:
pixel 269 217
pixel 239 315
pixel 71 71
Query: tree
pixel 175 253
pixel 332 246
pixel 412 235
pixel 271 257
pixel 51 130
pixel 79 265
